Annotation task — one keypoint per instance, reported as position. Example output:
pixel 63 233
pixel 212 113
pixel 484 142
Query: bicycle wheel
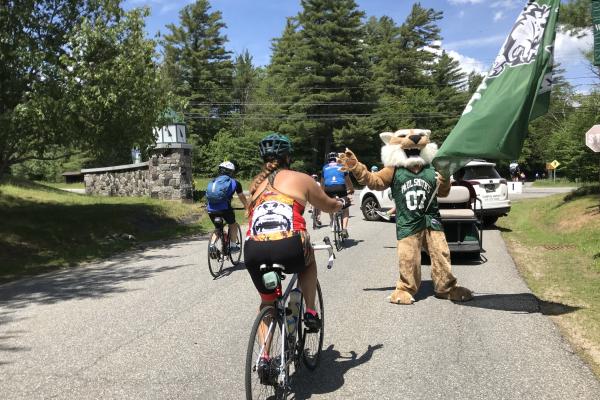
pixel 338 233
pixel 314 218
pixel 265 334
pixel 235 248
pixel 216 258
pixel 312 343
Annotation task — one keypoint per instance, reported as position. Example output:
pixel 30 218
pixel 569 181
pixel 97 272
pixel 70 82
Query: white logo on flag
pixel 522 44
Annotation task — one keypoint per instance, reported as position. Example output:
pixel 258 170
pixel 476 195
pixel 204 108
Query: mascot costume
pixel 407 157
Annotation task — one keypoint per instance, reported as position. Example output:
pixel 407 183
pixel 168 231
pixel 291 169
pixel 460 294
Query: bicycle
pixel 315 217
pixel 285 340
pixel 220 248
pixel 338 235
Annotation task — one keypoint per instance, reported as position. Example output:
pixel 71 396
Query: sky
pixel 473 30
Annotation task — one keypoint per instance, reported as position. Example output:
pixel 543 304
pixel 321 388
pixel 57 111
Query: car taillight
pixel 503 181
pixel 474 183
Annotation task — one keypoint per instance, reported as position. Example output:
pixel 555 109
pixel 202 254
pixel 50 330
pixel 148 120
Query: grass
pixel 556 246
pixel 63 185
pixel 560 182
pixel 44 228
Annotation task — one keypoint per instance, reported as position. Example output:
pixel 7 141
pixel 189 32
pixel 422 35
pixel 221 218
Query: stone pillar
pixel 170 172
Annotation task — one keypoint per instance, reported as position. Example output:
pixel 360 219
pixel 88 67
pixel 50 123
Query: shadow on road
pixel 526 303
pixel 230 270
pixel 91 282
pixel 329 375
pixel 351 242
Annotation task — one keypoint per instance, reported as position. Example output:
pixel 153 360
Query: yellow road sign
pixel 554 164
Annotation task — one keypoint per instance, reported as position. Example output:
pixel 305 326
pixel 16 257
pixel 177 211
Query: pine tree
pixel 324 74
pixel 200 68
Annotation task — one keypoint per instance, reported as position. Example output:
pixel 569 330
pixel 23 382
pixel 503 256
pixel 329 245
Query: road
pixel 153 324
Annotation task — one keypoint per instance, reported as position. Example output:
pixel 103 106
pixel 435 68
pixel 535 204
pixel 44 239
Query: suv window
pixel 481 172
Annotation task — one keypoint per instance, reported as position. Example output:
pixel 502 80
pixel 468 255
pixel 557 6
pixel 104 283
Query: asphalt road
pixel 155 325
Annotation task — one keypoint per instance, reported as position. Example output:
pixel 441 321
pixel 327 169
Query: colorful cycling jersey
pixel 275 216
pixel 332 174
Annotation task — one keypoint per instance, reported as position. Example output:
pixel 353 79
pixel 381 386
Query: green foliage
pixel 200 70
pixel 576 14
pixel 241 148
pixel 114 92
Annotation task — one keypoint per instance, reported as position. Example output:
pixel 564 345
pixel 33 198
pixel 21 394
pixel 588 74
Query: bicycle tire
pixel 252 380
pixel 215 265
pixel 338 239
pixel 312 356
pixel 235 258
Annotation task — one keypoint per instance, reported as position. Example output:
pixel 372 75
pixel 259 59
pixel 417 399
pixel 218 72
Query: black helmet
pixel 333 156
pixel 276 145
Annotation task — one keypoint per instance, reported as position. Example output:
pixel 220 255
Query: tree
pixel 33 37
pixel 200 69
pixel 325 73
pixel 115 95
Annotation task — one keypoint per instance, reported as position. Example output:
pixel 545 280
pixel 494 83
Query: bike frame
pixel 280 311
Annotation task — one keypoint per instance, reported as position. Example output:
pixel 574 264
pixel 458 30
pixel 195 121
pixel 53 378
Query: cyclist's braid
pixel 268 168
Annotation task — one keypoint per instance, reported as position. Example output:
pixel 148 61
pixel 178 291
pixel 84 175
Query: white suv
pixel 489 186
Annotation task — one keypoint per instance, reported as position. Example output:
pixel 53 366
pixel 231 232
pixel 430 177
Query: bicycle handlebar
pixel 327 246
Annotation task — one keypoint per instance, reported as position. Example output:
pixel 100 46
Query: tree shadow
pixel 520 303
pixel 84 282
pixel 7 335
pixel 305 383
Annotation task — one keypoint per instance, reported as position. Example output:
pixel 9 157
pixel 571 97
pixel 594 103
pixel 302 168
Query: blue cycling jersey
pixel 332 174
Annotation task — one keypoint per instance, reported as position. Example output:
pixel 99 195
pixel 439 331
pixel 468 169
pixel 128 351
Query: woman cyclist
pixel 277 230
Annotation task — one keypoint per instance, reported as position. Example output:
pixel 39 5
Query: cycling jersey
pixel 276 234
pixel 236 187
pixel 332 174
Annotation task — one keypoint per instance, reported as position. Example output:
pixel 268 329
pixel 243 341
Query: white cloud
pixel 478 42
pixel 461 13
pixel 465 1
pixel 498 15
pixel 507 4
pixel 569 49
pixel 467 64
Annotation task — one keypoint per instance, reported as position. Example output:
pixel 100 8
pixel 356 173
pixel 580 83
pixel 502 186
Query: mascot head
pixel 407 148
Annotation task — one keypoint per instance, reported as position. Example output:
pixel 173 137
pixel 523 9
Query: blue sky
pixel 472 30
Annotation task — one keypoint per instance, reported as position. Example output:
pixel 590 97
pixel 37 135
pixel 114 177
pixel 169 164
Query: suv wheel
pixel 489 221
pixel 369 207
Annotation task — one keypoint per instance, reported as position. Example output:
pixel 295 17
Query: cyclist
pixel 219 193
pixel 276 228
pixel 337 184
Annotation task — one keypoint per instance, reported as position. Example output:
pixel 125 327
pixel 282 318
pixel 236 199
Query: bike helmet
pixel 227 168
pixel 333 156
pixel 374 168
pixel 276 145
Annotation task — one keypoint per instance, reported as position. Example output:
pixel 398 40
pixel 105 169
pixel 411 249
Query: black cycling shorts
pixel 336 190
pixel 227 215
pixel 289 252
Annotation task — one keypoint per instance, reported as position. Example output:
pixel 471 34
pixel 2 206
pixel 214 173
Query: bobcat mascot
pixel 407 157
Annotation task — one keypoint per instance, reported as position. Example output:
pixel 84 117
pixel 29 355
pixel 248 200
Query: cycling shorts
pixel 227 215
pixel 336 190
pixel 294 252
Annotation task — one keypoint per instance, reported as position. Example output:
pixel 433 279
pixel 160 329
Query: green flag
pixel 515 91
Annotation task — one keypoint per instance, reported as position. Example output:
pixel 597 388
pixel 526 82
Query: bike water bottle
pixel 294 306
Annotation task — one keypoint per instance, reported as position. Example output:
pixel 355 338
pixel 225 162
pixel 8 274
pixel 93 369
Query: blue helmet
pixel 276 145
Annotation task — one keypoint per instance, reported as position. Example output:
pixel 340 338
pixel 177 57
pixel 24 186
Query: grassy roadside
pixel 561 182
pixel 44 228
pixel 63 185
pixel 556 246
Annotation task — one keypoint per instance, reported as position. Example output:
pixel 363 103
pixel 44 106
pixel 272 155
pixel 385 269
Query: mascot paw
pixel 457 293
pixel 348 160
pixel 401 297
